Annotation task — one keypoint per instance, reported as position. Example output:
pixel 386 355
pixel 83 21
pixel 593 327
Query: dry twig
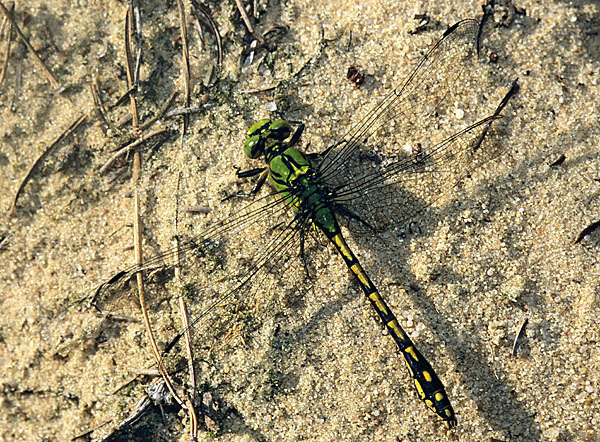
pixel 213 26
pixel 186 65
pixel 185 320
pixel 182 111
pixel 163 109
pixel 53 81
pixel 41 159
pixel 137 234
pixel 100 111
pixel 131 79
pixel 129 148
pixel 519 338
pixel 8 43
pixel 247 22
pixel 134 5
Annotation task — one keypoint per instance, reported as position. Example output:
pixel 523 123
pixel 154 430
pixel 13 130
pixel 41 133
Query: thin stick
pixel 186 65
pixel 11 9
pixel 142 298
pixel 122 98
pixel 258 91
pixel 100 111
pixel 138 31
pixel 53 81
pixel 137 241
pixel 182 111
pixel 129 148
pixel 17 87
pixel 247 21
pixel 198 7
pixel 137 235
pixel 131 80
pixel 186 326
pixel 40 160
pixel 7 51
pixel 519 337
pixel 193 420
pixel 140 282
pixel 164 108
pixel 53 45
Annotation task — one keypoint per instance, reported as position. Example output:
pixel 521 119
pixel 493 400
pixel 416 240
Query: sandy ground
pixel 302 361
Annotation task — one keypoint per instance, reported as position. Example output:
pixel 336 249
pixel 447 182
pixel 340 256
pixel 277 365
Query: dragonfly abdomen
pixel 428 385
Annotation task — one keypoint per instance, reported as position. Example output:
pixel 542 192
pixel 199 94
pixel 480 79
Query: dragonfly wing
pixel 395 190
pixel 418 142
pixel 442 77
pixel 226 272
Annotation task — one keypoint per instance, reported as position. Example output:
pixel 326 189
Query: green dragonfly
pixel 379 175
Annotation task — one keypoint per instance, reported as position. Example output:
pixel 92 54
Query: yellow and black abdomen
pixel 428 385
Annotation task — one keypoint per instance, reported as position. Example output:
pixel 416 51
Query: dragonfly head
pixel 265 135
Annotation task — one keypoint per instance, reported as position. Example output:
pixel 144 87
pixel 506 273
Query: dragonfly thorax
pixel 293 176
pixel 291 172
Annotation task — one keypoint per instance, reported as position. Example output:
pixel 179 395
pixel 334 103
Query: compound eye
pixel 253 147
pixel 258 127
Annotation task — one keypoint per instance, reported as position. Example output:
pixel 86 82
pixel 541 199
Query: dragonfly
pixel 379 175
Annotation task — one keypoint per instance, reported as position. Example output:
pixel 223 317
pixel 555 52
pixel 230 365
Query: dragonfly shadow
pixel 485 381
pixel 494 399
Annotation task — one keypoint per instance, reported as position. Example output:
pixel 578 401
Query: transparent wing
pixel 419 141
pixel 394 190
pixel 400 188
pixel 419 100
pixel 223 268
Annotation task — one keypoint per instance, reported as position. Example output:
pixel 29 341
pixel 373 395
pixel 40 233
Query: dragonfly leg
pixel 264 174
pixel 296 136
pixel 250 173
pixel 512 91
pixel 344 211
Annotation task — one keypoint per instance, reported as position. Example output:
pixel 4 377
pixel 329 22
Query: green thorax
pixel 290 171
